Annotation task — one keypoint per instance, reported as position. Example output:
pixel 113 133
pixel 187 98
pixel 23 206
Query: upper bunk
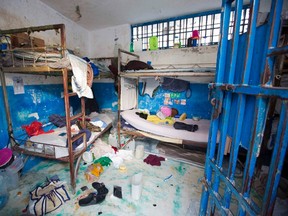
pixel 24 50
pixel 27 53
pixel 169 70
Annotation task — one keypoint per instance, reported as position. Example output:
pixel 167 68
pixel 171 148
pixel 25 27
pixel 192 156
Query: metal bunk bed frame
pixel 46 70
pixel 197 72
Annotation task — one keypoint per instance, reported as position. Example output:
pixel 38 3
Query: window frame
pixel 167 34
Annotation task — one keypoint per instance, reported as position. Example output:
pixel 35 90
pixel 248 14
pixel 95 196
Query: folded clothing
pixel 154 160
pixel 59 121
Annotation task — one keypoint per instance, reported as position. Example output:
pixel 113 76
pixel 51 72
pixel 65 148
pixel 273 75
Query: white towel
pixel 79 78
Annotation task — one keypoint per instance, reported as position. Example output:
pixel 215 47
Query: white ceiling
pixel 98 14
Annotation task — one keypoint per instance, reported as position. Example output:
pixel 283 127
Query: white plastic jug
pixel 4 195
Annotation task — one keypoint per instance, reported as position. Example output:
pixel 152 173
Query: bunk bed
pixel 51 61
pixel 128 84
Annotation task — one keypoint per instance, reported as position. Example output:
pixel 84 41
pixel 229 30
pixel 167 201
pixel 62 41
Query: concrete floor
pixel 179 195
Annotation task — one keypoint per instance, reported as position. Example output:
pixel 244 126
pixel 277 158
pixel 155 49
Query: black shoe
pixel 100 187
pixel 92 199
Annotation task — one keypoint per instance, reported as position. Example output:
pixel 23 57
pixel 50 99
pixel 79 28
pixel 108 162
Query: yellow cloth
pixel 97 169
pixel 156 120
pixel 183 117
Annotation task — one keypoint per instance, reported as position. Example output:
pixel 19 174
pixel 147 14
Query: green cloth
pixel 104 161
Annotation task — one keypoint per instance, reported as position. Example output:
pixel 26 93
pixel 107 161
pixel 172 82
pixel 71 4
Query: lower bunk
pixel 188 131
pixel 53 144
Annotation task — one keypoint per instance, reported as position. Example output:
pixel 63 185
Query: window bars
pixel 170 31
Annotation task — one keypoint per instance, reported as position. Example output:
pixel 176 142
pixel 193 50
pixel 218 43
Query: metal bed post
pixel 70 139
pixel 7 109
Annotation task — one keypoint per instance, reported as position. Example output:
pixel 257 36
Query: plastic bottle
pixel 4 195
pixel 177 42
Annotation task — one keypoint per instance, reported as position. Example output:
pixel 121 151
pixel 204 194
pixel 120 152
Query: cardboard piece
pixel 23 40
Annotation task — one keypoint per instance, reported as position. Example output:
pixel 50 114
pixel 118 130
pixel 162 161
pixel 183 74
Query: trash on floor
pixel 117 192
pixel 136 189
pixel 93 172
pixel 104 161
pixel 154 160
pixel 95 197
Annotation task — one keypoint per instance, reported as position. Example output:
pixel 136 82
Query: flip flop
pixel 92 199
pixel 100 187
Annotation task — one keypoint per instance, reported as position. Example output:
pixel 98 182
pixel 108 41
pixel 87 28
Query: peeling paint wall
pixel 203 56
pixel 105 42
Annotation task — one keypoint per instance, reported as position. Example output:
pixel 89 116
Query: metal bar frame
pixel 221 114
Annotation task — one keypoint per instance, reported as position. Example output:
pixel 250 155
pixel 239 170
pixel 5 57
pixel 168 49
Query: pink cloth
pixel 167 111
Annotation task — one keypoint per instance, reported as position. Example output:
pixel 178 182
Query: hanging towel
pixel 79 78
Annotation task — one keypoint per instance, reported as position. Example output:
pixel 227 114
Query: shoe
pixel 92 199
pixel 100 187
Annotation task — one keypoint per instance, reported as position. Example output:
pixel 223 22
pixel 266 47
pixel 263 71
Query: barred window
pixel 178 30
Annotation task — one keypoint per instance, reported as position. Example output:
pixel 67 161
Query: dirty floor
pixel 170 189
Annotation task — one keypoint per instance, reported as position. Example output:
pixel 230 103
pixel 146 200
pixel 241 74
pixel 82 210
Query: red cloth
pixel 35 128
pixel 154 160
pixel 115 149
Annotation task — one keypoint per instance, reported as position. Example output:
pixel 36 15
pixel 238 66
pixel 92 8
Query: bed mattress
pixel 56 142
pixel 201 135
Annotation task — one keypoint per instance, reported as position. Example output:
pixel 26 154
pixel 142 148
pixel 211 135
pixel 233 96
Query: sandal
pixel 92 199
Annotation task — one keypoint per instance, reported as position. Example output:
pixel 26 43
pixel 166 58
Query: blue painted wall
pixel 105 95
pixel 196 105
pixel 42 99
pixel 46 100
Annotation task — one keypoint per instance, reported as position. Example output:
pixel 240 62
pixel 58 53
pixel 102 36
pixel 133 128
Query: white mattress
pixel 59 138
pixel 201 135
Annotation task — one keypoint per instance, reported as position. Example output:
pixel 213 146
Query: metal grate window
pixel 178 30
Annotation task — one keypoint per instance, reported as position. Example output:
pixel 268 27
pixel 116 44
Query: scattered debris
pixel 84 188
pixel 167 178
pixel 117 192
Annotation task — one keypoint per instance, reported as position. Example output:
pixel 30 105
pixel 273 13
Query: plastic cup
pixel 136 186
